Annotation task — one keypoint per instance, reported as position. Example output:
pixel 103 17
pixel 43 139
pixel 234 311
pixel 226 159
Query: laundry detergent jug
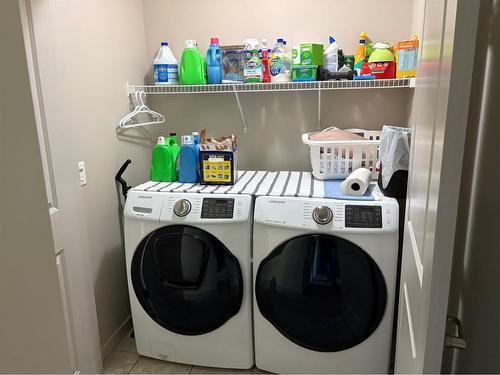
pixel 214 71
pixel 161 162
pixel 188 160
pixel 192 69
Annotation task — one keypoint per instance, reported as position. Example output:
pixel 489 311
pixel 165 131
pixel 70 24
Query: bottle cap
pixel 284 42
pixel 279 40
pixel 161 141
pixel 173 134
pixel 195 133
pixel 214 40
pixel 164 43
pixel 332 39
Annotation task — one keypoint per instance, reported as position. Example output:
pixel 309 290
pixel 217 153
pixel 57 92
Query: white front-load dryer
pixel 324 275
pixel 189 276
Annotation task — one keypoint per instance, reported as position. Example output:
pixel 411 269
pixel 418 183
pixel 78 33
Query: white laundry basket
pixel 334 160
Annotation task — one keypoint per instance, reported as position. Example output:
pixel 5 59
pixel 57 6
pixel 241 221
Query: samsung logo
pixel 277 201
pixel 145 197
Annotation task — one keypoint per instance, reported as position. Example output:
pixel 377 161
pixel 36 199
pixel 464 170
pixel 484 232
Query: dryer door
pixel 321 292
pixel 186 279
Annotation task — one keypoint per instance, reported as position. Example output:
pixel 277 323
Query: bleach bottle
pixel 161 160
pixel 331 56
pixel 188 160
pixel 165 68
pixel 214 71
pixel 281 63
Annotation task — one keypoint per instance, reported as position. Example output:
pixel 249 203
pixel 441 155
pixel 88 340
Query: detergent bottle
pixel 214 71
pixel 360 55
pixel 331 56
pixel 192 69
pixel 160 162
pixel 188 160
pixel 165 67
pixel 281 63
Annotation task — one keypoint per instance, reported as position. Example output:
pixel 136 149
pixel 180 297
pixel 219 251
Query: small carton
pixel 406 54
pixel 218 160
pixel 307 54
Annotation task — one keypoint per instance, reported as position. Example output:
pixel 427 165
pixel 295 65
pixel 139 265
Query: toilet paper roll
pixel 357 182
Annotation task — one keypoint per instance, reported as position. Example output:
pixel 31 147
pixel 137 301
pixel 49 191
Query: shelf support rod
pixel 245 129
pixel 319 109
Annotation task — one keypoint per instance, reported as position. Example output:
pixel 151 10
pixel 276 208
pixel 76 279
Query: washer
pixel 324 274
pixel 189 276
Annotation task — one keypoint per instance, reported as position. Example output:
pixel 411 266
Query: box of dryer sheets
pixel 406 54
pixel 218 160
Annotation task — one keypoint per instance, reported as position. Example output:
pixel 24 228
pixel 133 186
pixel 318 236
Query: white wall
pixel 276 121
pixel 475 289
pixel 32 330
pixel 87 51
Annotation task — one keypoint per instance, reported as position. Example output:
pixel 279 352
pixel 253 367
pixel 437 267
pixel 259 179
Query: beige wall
pixel 87 51
pixel 475 289
pixel 276 121
pixel 32 330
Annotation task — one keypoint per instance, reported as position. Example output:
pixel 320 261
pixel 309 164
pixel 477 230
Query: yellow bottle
pixel 360 55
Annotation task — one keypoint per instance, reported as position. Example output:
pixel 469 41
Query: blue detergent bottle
pixel 214 71
pixel 188 160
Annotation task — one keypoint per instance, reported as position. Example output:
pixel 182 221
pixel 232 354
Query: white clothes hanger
pixel 141 108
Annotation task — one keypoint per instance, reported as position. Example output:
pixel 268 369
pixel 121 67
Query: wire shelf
pixel 273 87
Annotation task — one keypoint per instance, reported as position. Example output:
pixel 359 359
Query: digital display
pixel 217 208
pixel 363 216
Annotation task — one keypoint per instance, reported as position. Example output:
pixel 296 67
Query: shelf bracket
pixel 245 129
pixel 319 109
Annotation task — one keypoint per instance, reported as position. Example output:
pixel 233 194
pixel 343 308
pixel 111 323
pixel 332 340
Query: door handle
pixel 455 342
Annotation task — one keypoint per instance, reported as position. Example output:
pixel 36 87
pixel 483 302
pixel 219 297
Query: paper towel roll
pixel 357 182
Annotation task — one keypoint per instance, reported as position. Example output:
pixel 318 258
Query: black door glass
pixel 321 292
pixel 186 280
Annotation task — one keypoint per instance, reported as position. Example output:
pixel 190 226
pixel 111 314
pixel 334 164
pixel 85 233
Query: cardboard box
pixel 307 54
pixel 406 55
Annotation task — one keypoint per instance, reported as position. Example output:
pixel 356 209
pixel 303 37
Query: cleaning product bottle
pixel 165 69
pixel 188 160
pixel 360 55
pixel 266 71
pixel 331 56
pixel 252 72
pixel 281 63
pixel 161 160
pixel 192 69
pixel 214 71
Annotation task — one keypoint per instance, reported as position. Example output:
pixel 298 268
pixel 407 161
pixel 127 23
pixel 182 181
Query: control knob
pixel 322 215
pixel 182 207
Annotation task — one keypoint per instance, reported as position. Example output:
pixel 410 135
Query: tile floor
pixel 125 360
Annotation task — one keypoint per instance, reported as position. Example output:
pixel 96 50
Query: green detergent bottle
pixel 192 68
pixel 161 161
pixel 175 149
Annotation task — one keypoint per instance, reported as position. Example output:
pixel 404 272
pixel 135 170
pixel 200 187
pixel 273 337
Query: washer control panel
pixel 217 208
pixel 357 216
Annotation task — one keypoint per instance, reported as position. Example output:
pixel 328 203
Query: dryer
pixel 188 259
pixel 324 275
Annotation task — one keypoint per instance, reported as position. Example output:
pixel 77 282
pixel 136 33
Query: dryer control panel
pixel 328 214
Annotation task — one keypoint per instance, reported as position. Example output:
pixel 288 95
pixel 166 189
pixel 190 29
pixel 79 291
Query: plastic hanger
pixel 141 108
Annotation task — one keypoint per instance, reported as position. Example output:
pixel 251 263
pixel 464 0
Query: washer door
pixel 186 280
pixel 321 292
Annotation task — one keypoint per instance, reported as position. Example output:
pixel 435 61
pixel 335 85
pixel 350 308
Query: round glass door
pixel 186 280
pixel 321 292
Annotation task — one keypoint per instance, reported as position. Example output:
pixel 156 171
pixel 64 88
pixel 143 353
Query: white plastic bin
pixel 335 160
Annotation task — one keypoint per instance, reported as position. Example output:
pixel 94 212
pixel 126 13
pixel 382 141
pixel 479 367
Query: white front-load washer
pixel 324 275
pixel 189 276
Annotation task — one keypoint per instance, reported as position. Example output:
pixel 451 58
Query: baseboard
pixel 116 338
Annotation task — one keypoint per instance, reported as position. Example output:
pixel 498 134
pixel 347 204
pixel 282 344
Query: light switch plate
pixel 83 174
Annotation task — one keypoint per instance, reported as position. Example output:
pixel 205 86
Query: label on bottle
pixel 276 65
pixel 166 73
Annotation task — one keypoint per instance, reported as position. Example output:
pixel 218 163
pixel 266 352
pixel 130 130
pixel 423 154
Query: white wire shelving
pixel 236 89
pixel 227 88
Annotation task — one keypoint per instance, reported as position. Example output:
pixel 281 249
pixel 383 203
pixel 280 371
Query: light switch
pixel 83 175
